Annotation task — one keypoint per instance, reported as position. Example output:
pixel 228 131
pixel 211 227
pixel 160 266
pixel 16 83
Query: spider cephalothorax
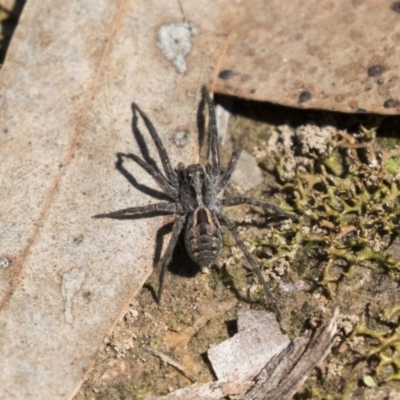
pixel 193 196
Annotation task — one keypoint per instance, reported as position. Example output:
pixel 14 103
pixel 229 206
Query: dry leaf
pixel 72 71
pixel 334 55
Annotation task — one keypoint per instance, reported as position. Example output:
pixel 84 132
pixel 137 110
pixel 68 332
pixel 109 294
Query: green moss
pixel 392 165
pixel 333 163
pixel 156 339
pixel 213 279
pixel 347 203
pixel 383 347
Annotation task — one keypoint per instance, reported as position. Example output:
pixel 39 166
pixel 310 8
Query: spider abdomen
pixel 203 237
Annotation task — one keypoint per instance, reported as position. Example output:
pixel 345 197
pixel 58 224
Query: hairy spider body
pixel 203 237
pixel 193 196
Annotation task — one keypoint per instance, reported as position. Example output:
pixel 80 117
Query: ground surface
pixel 309 270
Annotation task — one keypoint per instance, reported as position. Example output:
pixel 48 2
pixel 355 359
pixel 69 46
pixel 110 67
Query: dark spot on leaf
pixel 78 239
pixel 226 74
pixel 375 70
pixel 390 103
pixel 305 96
pixel 361 110
pixel 396 6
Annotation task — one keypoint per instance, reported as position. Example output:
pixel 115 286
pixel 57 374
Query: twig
pixel 174 364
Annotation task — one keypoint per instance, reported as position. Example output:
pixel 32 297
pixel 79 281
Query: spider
pixel 193 197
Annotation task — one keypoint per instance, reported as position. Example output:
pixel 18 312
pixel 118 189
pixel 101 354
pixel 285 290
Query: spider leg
pixel 226 176
pixel 166 258
pixel 234 201
pixel 225 220
pixel 155 193
pixel 157 175
pixel 171 174
pixel 212 134
pixel 164 208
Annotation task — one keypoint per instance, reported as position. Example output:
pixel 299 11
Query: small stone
pixel 247 174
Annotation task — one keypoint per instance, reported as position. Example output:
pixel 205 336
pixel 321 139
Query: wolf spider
pixel 193 192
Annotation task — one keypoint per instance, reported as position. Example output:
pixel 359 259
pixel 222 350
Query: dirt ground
pixel 331 257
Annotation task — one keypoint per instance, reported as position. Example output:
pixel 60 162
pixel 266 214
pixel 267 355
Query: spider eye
pixel 194 175
pixel 189 178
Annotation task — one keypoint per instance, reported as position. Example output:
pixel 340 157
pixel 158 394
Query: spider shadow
pixel 203 136
pixel 181 264
pixel 144 150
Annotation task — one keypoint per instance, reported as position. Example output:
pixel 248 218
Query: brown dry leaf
pixel 334 55
pixel 72 71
